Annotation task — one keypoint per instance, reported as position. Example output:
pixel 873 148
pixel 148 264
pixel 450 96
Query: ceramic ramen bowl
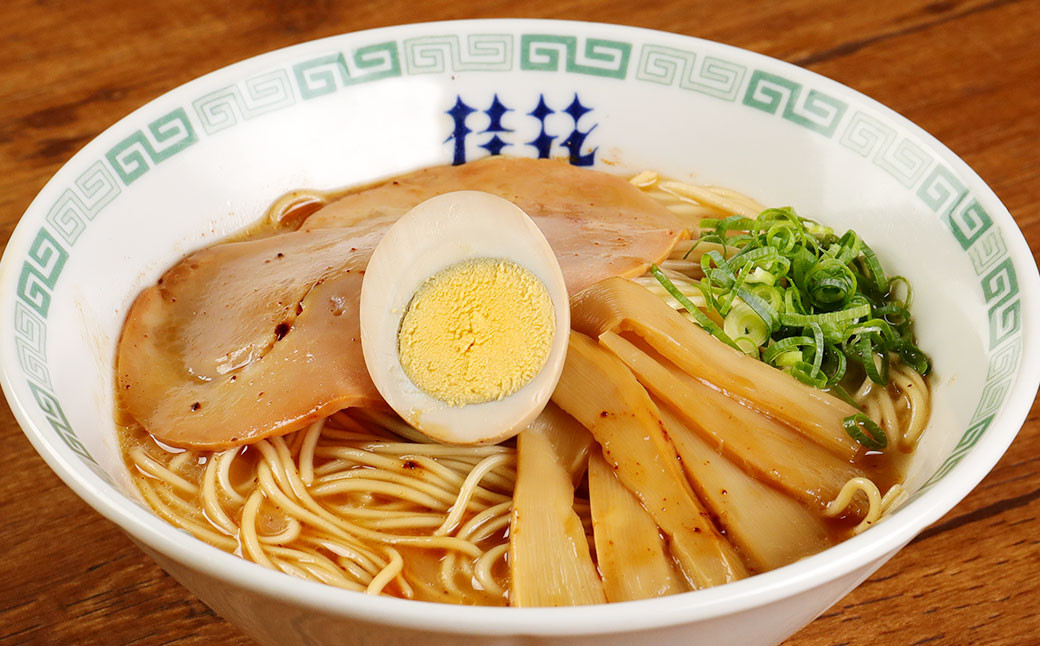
pixel 204 160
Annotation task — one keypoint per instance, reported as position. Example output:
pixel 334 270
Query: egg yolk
pixel 476 331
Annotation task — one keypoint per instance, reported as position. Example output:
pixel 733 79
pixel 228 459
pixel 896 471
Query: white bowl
pixel 205 159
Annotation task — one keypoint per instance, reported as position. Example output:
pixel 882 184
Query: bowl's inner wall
pixel 206 159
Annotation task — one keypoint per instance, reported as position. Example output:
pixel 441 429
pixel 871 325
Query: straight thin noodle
pixel 224 461
pixel 314 512
pixel 452 472
pixel 433 450
pixel 324 569
pixel 306 455
pixel 354 569
pixel 466 493
pixel 369 513
pixel 366 558
pixel 741 198
pixel 490 528
pixel 894 498
pixel 390 505
pixel 150 466
pixel 449 570
pixel 341 435
pixel 294 441
pixel 358 571
pixel 450 469
pixel 644 178
pixel 501 478
pixel 211 505
pixel 915 389
pixel 371 485
pixel 683 247
pixel 291 570
pixel 687 268
pixel 693 213
pixel 288 466
pixel 310 572
pixel 500 510
pixel 180 460
pixel 270 457
pixel 390 468
pixel 887 409
pixel 452 569
pixel 345 421
pixel 388 574
pixel 152 497
pixel 844 498
pixel 358 456
pixel 247 535
pixel 331 577
pixel 872 408
pixel 438 496
pixel 393 425
pixel 431 589
pixel 482 569
pixel 706 197
pixel 330 467
pixel 291 532
pixel 384 524
pixel 174 502
pixel 270 487
pixel 402 584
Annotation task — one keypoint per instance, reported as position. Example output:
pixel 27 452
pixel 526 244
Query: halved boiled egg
pixel 465 318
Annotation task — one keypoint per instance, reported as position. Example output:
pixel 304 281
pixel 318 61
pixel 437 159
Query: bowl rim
pixel 762 589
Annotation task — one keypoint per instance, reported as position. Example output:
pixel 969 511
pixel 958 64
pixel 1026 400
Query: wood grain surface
pixel 966 71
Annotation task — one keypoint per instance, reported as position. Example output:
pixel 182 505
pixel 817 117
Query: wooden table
pixel 967 71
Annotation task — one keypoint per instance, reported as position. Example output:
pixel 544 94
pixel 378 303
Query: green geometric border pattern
pixel 860 132
pixel 598 57
pixel 245 100
pixel 438 54
pixel 704 74
pixel 331 72
pixel 811 109
pixel 165 137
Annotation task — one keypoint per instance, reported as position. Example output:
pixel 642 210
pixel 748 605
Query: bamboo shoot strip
pixel 632 556
pixel 759 445
pixel 600 392
pixel 623 306
pixel 549 559
pixel 571 442
pixel 770 529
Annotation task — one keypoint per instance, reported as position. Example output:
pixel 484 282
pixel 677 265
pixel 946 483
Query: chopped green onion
pixel 799 297
pixel 841 364
pixel 865 431
pixel 830 284
pixel 915 358
pixel 808 374
pixel 702 319
pixel 827 318
pixel 874 269
pixel 743 321
pixel 895 281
